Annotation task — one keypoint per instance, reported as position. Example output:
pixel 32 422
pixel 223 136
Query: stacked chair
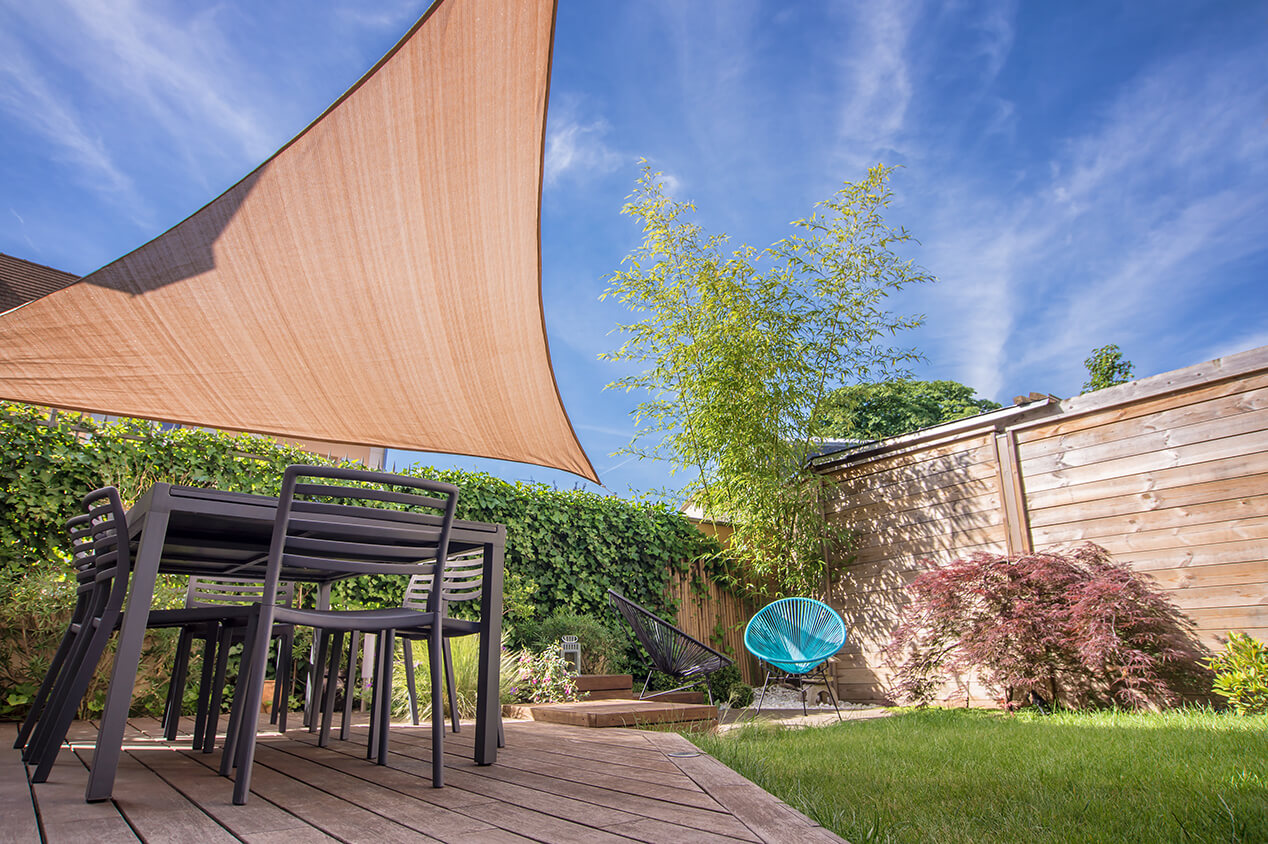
pixel 100 555
pixel 216 611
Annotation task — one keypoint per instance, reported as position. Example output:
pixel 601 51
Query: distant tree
pixel 892 408
pixel 741 350
pixel 1106 368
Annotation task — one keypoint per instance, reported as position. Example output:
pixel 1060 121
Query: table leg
pixel 114 717
pixel 488 683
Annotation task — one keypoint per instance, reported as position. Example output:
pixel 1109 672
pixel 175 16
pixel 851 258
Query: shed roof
pixel 23 281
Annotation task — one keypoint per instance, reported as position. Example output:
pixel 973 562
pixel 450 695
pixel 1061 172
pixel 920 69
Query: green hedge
pixel 565 548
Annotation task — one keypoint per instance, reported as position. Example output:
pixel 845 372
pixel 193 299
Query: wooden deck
pixel 552 783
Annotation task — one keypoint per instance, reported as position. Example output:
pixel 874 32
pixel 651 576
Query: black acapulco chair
pixel 324 525
pixel 671 650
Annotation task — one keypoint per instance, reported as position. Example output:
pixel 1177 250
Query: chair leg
pixel 410 688
pixel 762 697
pixel 316 674
pixel 205 680
pixel 450 686
pixel 282 706
pixel 827 683
pixel 350 685
pixel 216 700
pixel 81 667
pixel 258 645
pixel 230 753
pixel 380 697
pixel 176 686
pixel 46 687
pixel 435 649
pixel 385 717
pixel 643 693
pixel 332 687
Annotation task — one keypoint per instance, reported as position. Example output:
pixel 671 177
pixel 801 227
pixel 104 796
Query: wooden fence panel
pixel 1169 473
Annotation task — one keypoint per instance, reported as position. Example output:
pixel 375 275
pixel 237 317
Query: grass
pixel 951 776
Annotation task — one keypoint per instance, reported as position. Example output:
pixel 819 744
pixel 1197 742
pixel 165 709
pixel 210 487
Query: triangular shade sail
pixel 377 281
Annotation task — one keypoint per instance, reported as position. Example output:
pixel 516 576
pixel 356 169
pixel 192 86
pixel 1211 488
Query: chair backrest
pixel 464 578
pixel 101 553
pixel 334 519
pixel 671 650
pixel 221 592
pixel 795 634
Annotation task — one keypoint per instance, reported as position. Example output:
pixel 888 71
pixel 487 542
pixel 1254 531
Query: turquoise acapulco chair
pixel 795 637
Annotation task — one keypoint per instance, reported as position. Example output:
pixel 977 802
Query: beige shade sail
pixel 377 281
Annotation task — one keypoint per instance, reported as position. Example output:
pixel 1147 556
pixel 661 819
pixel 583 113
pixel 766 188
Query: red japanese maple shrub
pixel 1073 629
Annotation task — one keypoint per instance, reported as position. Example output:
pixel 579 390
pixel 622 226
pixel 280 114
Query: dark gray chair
pixel 217 610
pixel 671 650
pixel 83 560
pixel 103 564
pixel 330 520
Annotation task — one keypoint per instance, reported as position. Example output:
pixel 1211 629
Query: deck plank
pixel 18 823
pixel 487 788
pixel 677 790
pixel 155 810
pixel 65 816
pixel 612 792
pixel 555 784
pixel 338 817
pixel 259 821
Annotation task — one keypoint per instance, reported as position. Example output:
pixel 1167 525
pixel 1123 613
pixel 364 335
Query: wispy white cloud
pixel 183 69
pixel 28 97
pixel 874 85
pixel 1137 214
pixel 130 70
pixel 390 16
pixel 579 149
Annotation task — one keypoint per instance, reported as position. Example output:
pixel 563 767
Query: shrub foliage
pixel 564 548
pixel 1241 674
pixel 1074 629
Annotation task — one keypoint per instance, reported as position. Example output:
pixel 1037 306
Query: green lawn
pixel 949 776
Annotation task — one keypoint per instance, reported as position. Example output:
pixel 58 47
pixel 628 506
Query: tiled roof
pixel 23 281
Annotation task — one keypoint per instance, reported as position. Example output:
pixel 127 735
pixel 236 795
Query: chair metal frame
pixel 319 528
pixel 672 651
pixel 794 638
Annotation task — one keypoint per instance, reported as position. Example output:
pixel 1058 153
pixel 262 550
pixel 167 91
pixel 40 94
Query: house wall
pixel 1169 473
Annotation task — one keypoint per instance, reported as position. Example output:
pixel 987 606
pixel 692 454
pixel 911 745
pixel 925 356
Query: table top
pixel 218 533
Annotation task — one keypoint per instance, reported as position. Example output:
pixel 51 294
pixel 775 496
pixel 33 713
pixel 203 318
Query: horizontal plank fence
pixel 1169 473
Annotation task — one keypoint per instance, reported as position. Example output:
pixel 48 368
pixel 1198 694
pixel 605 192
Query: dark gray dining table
pixel 190 530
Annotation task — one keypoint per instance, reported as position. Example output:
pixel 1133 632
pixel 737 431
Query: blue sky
pixel 1077 173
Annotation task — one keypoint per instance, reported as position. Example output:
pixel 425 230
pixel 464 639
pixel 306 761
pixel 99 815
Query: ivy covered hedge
pixel 565 548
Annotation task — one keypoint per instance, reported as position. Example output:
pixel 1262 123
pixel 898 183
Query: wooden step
pixel 608 694
pixel 678 697
pixel 604 682
pixel 615 713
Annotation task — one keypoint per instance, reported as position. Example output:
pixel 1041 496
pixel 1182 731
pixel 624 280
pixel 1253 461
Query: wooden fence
pixel 1169 473
pixel 715 616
